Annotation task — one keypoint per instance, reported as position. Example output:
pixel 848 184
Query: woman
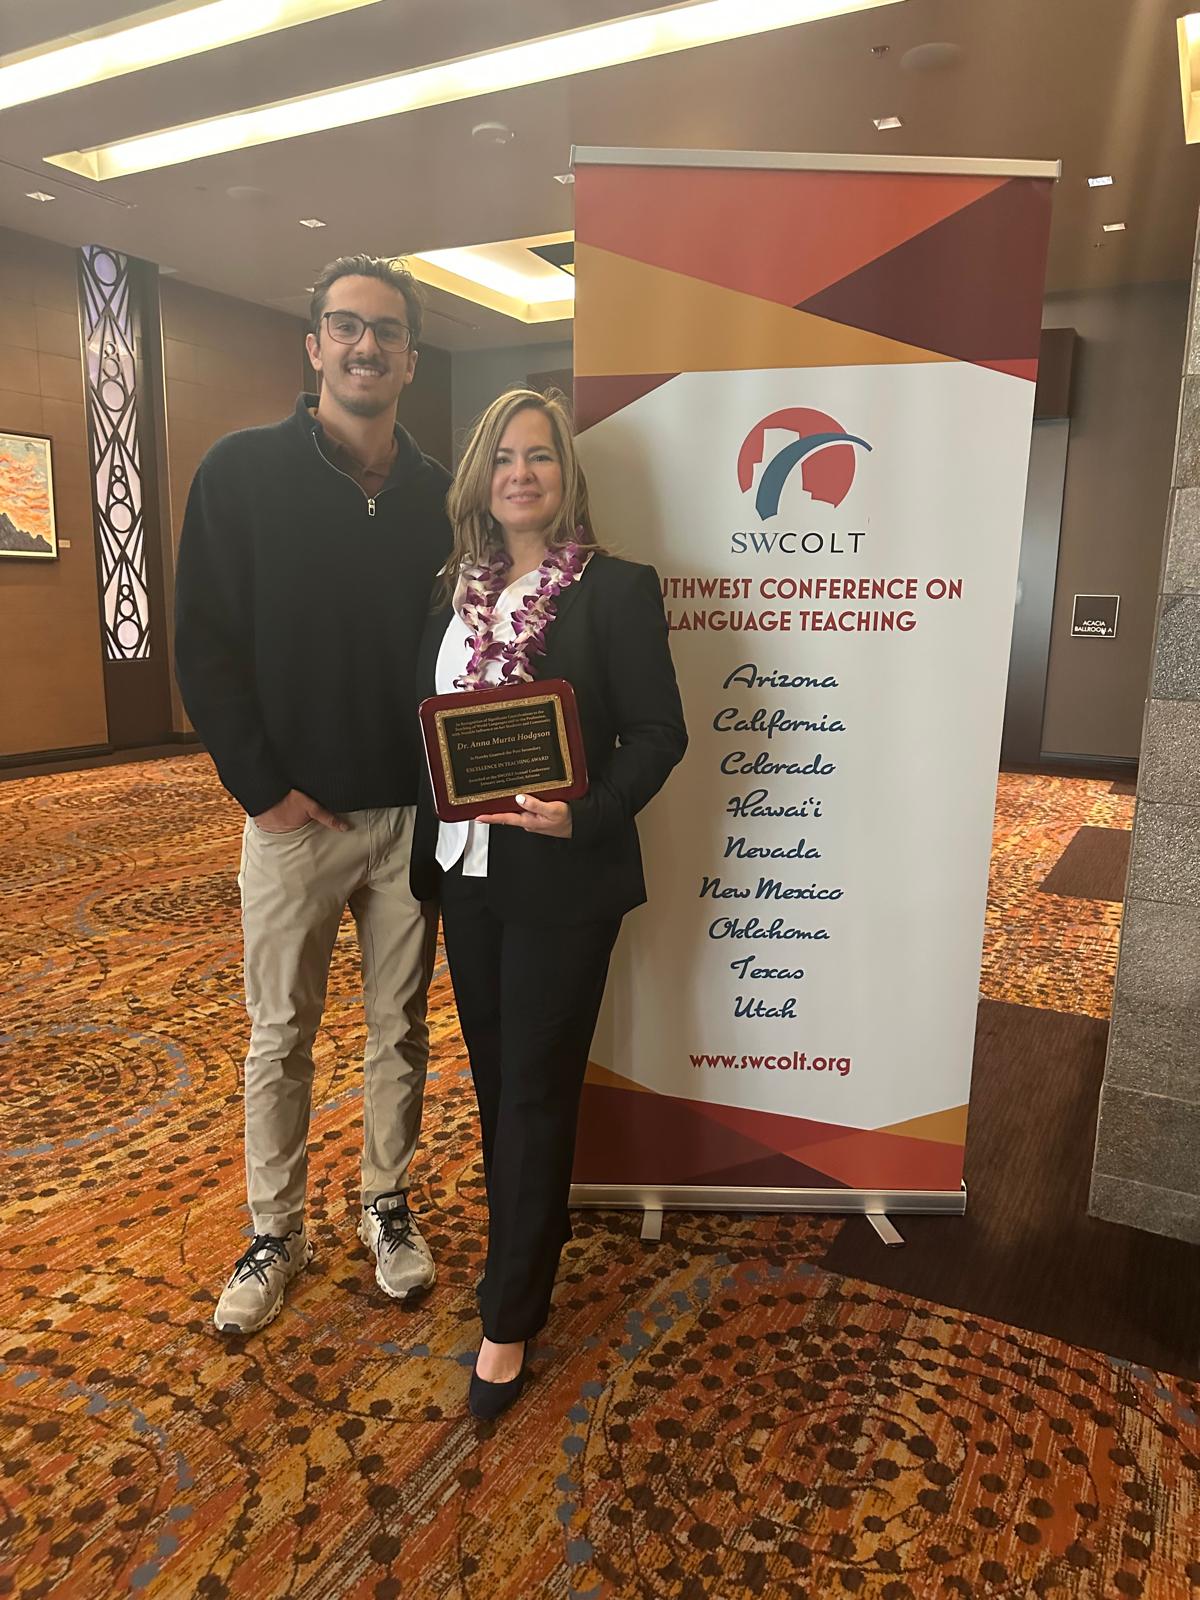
pixel 532 902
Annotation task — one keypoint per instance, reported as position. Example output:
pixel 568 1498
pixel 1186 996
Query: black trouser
pixel 528 998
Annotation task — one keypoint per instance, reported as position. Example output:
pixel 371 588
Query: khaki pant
pixel 294 889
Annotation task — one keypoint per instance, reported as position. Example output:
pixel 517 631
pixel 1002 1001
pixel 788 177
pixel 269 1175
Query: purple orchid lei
pixel 481 587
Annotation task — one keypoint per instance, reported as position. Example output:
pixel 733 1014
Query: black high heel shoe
pixel 487 1400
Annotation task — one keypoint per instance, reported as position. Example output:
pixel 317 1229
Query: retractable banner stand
pixel 804 392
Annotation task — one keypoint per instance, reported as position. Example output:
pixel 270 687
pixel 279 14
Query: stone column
pixel 1147 1165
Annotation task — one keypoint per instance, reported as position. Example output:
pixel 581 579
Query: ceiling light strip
pixel 483 294
pixel 150 39
pixel 602 44
pixel 476 266
pixel 508 277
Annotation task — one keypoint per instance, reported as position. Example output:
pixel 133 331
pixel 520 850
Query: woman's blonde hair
pixel 469 504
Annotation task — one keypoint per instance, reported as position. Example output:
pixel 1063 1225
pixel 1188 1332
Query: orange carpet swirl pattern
pixel 714 1416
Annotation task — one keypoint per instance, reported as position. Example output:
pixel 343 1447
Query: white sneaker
pixel 403 1263
pixel 254 1294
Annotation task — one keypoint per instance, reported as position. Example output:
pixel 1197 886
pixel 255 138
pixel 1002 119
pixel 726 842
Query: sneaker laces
pixel 395 1225
pixel 264 1253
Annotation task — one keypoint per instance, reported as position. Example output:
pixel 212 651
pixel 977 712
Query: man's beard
pixel 364 405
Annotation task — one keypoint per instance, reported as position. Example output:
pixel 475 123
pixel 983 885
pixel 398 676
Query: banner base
pixel 886 1230
pixel 858 1202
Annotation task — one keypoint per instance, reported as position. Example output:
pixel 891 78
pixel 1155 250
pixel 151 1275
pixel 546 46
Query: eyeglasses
pixel 347 327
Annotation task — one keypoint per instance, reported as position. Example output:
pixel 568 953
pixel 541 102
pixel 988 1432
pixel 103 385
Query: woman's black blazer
pixel 609 640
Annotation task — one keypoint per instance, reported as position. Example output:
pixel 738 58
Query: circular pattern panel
pixel 71 1086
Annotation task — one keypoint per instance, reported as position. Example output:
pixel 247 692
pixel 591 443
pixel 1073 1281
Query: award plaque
pixel 486 746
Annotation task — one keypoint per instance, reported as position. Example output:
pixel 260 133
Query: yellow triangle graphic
pixel 940 1127
pixel 634 318
pixel 605 1078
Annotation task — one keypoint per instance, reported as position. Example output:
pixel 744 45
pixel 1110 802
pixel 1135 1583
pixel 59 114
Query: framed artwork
pixel 27 530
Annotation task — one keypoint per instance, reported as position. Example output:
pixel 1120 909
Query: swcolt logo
pixel 822 448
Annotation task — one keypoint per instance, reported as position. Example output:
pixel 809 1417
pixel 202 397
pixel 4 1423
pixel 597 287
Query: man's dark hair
pixel 386 269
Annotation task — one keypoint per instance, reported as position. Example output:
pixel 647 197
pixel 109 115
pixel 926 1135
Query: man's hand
pixel 551 817
pixel 293 811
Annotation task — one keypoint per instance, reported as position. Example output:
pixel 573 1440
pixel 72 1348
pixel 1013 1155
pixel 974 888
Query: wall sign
pixel 1095 616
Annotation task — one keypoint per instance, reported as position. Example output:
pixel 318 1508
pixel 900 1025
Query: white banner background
pixel 906 818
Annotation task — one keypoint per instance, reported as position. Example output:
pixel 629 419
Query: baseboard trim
pixel 45 763
pixel 78 752
pixel 1089 761
pixel 1049 764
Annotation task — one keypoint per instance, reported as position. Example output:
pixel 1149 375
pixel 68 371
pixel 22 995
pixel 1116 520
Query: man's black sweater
pixel 298 612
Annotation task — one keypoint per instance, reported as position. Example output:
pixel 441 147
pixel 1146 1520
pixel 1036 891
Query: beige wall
pixel 50 654
pixel 227 365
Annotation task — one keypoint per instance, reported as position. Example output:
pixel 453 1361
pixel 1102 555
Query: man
pixel 306 564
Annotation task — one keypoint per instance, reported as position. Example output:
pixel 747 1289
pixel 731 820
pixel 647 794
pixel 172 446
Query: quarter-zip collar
pixel 407 460
pixel 371 476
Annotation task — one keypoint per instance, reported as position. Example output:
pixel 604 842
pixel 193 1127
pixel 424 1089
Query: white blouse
pixel 469 840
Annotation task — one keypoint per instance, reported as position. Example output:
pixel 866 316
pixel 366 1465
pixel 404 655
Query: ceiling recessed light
pixel 168 33
pixel 40 195
pixel 935 56
pixel 1103 182
pixel 640 37
pixel 492 133
pixel 312 222
pixel 1114 227
pixel 885 123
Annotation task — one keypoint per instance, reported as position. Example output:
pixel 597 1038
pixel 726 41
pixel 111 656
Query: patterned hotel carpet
pixel 716 1416
pixel 1049 950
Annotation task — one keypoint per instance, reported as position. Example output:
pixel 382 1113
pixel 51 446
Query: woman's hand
pixel 551 817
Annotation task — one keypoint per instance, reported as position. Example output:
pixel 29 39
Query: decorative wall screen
pixel 109 336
